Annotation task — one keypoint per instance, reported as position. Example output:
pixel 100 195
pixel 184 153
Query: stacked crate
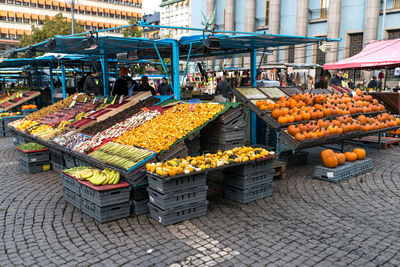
pixel 178 151
pixel 346 171
pixel 177 199
pixel 57 161
pixel 249 182
pixel 139 197
pixel 104 203
pixel 34 161
pixel 224 133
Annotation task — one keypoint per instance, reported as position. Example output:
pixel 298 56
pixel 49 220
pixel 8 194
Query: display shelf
pixel 11 105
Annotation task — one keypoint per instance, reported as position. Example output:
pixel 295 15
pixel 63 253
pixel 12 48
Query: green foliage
pixel 58 26
pixel 132 31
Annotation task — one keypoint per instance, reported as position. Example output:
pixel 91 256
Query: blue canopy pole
pixel 104 65
pixel 253 77
pixel 51 83
pixel 64 86
pixel 187 63
pixel 163 64
pixel 175 70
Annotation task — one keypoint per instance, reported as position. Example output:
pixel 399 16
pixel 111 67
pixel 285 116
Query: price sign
pixel 113 101
pixel 85 100
pixel 329 174
pixel 72 104
pixel 121 98
pixel 105 100
pixel 94 100
pixel 75 97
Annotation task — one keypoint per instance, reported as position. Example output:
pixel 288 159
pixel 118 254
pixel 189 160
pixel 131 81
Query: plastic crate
pixel 71 183
pixel 34 167
pixel 140 207
pixel 39 156
pixel 69 161
pixel 243 182
pixel 137 178
pixel 106 214
pixel 363 166
pixel 251 194
pixel 165 186
pixel 178 198
pixel 72 198
pixel 167 217
pixel 337 174
pixel 106 197
pixel 57 156
pixel 57 167
pixel 251 167
pixel 139 192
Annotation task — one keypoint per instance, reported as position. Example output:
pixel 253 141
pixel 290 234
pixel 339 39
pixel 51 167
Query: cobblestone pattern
pixel 307 222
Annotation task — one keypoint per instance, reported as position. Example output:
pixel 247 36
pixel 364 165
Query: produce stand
pixel 391 100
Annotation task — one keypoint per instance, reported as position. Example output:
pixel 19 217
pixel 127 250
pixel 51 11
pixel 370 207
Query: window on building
pixel 33 4
pixel 100 13
pixel 94 13
pixel 40 6
pixel 291 54
pixel 356 45
pixel 61 8
pixel 18 3
pixel 24 3
pixel 18 19
pixel 68 9
pixel 55 7
pixel 10 19
pixel 266 12
pixel 111 15
pixel 4 36
pixel 10 2
pixel 394 34
pixel 324 9
pixel 26 20
pixel 3 18
pixel 396 4
pixel 47 7
pixel 2 1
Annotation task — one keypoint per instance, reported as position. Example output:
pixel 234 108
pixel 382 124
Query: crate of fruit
pixel 34 167
pixel 106 213
pixel 340 173
pixel 184 213
pixel 33 152
pixel 177 198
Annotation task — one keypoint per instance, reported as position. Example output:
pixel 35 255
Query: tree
pixel 58 26
pixel 132 31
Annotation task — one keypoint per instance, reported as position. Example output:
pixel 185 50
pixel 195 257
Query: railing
pixel 315 14
pixel 391 4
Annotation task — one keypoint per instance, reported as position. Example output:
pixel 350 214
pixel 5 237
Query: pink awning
pixel 375 55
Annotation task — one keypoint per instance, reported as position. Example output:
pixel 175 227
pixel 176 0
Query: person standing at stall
pixel 145 86
pixel 337 79
pixel 123 84
pixel 373 83
pixel 164 88
pixel 224 88
pixel 93 85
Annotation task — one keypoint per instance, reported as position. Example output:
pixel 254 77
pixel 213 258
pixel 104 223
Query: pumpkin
pixel 340 158
pixel 299 137
pixel 329 159
pixel 293 130
pixel 360 153
pixel 350 156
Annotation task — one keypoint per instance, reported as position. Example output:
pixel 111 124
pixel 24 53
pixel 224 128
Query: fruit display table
pixel 307 120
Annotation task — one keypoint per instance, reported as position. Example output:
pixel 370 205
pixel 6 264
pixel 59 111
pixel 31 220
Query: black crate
pixel 178 215
pixel 177 198
pixel 69 161
pixel 108 213
pixel 57 156
pixel 138 177
pixel 290 159
pixel 140 207
pixel 252 194
pixel 165 186
pixel 30 157
pixel 72 198
pixel 243 182
pixel 251 167
pixel 106 197
pixel 34 167
pixel 71 183
pixel 57 167
pixel 139 192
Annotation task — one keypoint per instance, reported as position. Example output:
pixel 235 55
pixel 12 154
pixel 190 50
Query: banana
pixel 117 178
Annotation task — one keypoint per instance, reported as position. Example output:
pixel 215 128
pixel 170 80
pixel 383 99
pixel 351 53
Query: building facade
pixel 151 19
pixel 176 13
pixel 17 16
pixel 357 22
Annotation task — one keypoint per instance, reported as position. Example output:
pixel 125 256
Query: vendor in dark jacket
pixel 123 83
pixel 373 83
pixel 164 88
pixel 337 79
pixel 93 85
pixel 224 88
pixel 145 86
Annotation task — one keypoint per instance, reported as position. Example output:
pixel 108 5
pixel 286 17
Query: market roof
pixel 375 55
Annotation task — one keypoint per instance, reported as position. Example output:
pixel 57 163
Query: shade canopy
pixel 375 55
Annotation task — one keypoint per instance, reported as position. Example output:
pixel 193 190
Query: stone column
pixel 229 22
pixel 273 27
pixel 372 9
pixel 301 29
pixel 250 23
pixel 210 13
pixel 334 11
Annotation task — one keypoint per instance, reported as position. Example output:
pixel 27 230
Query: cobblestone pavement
pixel 306 222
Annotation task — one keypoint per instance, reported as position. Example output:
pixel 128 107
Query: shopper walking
pixel 123 84
pixel 164 88
pixel 224 89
